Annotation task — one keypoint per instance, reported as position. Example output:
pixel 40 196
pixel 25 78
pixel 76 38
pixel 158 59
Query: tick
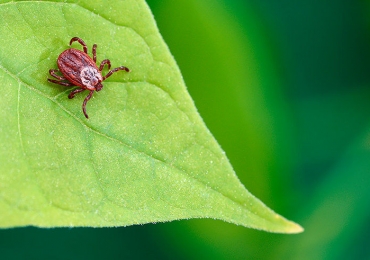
pixel 80 70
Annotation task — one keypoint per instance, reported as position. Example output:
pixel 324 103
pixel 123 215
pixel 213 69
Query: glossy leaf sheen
pixel 144 155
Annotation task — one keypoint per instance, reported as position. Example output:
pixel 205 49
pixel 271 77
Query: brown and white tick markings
pixel 80 70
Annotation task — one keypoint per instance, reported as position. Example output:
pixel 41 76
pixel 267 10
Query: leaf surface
pixel 144 155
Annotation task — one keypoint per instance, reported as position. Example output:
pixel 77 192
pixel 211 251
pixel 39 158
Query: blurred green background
pixel 284 86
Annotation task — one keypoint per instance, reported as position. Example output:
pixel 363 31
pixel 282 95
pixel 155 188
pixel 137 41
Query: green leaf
pixel 144 155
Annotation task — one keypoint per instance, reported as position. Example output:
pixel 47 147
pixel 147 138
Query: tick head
pixel 98 86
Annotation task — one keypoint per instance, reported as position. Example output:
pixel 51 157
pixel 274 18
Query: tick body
pixel 79 69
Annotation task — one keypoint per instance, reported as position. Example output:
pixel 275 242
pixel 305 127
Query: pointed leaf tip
pixel 143 156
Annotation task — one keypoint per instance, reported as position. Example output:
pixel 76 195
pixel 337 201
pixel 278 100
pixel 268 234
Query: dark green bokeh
pixel 284 86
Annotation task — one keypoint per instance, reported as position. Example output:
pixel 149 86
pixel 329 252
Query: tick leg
pixel 80 41
pixel 85 101
pixel 66 84
pixel 52 73
pixel 94 52
pixel 115 70
pixel 103 63
pixel 74 92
